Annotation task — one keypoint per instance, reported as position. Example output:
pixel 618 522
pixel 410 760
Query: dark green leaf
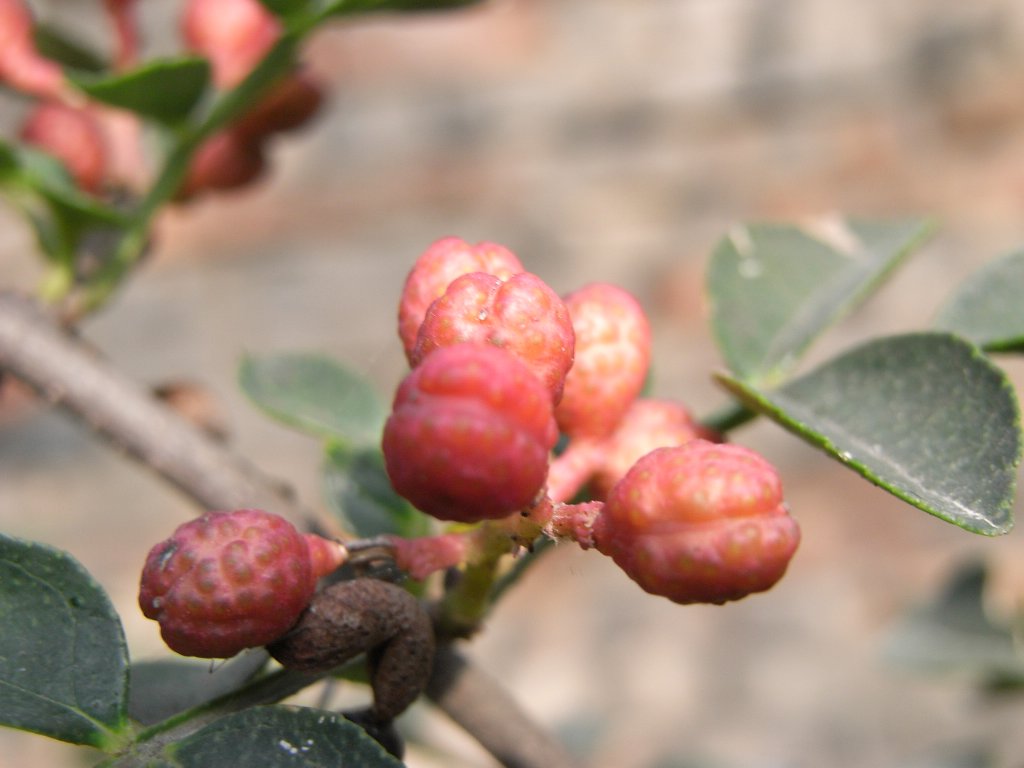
pixel 160 689
pixel 925 416
pixel 346 7
pixel 54 44
pixel 987 308
pixel 316 395
pixel 358 490
pixel 62 652
pixel 955 634
pixel 285 8
pixel 774 288
pixel 279 737
pixel 163 90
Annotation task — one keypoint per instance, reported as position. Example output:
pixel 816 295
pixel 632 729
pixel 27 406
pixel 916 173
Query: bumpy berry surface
pixel 521 315
pixel 648 424
pixel 469 434
pixel 444 261
pixel 71 135
pixel 233 34
pixel 699 523
pixel 613 353
pixel 232 580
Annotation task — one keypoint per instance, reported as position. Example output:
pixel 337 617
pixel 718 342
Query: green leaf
pixel 285 8
pixel 54 44
pixel 925 416
pixel 316 395
pixel 63 661
pixel 774 288
pixel 160 689
pixel 347 7
pixel 953 633
pixel 279 737
pixel 359 492
pixel 164 90
pixel 987 307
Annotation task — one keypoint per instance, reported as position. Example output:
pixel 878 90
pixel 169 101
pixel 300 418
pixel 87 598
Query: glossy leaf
pixel 160 689
pixel 773 288
pixel 987 308
pixel 63 661
pixel 954 633
pixel 316 395
pixel 358 490
pixel 164 90
pixel 279 737
pixel 925 416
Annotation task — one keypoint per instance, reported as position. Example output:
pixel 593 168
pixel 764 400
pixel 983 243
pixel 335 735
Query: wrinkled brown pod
pixel 367 616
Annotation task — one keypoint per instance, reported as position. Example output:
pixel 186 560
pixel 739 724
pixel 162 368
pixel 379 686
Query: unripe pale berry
pixel 73 136
pixel 648 424
pixel 613 353
pixel 521 315
pixel 436 268
pixel 469 434
pixel 699 523
pixel 227 581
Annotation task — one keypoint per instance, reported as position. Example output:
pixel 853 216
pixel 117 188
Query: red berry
pixel 521 315
pixel 21 65
pixel 469 435
pixel 648 424
pixel 287 106
pixel 227 581
pixel 224 161
pixel 613 352
pixel 699 523
pixel 73 136
pixel 436 268
pixel 233 34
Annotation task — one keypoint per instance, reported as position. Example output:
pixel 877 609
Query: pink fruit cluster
pixel 227 581
pixel 501 365
pixel 102 148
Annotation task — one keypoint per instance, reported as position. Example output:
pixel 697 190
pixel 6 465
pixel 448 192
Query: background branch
pixel 67 373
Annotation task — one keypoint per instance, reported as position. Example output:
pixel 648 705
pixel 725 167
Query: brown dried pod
pixel 367 616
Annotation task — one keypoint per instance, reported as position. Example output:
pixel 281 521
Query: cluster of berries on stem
pixel 500 364
pixel 102 148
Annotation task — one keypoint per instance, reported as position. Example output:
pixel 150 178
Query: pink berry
pixel 699 523
pixel 648 424
pixel 469 435
pixel 227 581
pixel 21 65
pixel 613 353
pixel 233 34
pixel 436 268
pixel 521 315
pixel 73 136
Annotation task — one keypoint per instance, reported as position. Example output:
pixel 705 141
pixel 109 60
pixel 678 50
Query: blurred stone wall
pixel 601 140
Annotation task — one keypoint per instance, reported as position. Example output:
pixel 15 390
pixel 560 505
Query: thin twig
pixel 482 707
pixel 64 371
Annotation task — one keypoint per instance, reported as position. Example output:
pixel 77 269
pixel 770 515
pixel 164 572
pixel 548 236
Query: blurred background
pixel 600 140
